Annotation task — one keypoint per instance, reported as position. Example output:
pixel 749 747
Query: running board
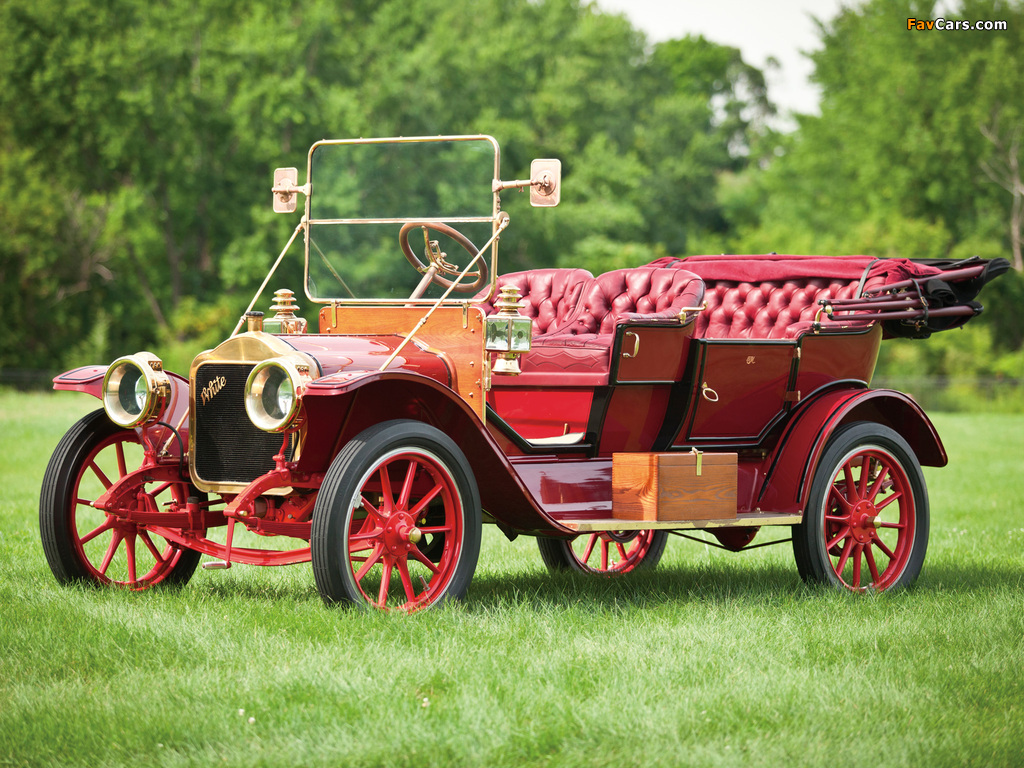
pixel 740 521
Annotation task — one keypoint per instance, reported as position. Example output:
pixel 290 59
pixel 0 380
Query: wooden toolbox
pixel 674 486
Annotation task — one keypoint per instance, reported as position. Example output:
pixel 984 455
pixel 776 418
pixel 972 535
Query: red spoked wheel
pixel 83 543
pixel 866 526
pixel 608 553
pixel 397 523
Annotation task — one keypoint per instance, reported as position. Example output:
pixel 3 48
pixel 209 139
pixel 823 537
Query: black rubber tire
pixel 57 509
pixel 875 447
pixel 558 554
pixel 336 515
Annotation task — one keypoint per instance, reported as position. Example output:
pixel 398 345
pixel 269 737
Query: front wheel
pixel 86 544
pixel 866 522
pixel 606 553
pixel 397 522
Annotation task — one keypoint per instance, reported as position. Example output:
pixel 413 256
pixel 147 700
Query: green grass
pixel 714 659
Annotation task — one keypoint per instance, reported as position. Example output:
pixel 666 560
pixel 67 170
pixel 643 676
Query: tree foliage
pixel 137 143
pixel 916 128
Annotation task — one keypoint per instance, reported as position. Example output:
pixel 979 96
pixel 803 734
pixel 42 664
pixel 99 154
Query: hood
pixel 331 354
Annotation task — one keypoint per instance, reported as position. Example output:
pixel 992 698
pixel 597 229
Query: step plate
pixel 740 521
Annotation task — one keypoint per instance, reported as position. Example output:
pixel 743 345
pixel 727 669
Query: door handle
pixel 636 344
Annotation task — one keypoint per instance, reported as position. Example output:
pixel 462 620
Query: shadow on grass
pixel 664 585
pixel 718 582
pixel 256 589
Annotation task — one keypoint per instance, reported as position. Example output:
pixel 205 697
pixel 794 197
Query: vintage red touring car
pixel 598 413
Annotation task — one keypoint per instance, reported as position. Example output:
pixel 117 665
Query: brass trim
pixel 699 459
pixel 241 349
pixel 636 344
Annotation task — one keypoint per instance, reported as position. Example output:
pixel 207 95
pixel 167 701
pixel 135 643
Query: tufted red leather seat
pixel 767 310
pixel 574 329
pixel 550 295
pixel 583 343
pixel 777 296
pixel 624 295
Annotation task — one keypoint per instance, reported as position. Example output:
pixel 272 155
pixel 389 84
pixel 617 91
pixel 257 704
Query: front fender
pixel 89 379
pixel 340 406
pixel 791 466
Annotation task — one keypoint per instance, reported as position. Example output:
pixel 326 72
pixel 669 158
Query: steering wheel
pixel 440 270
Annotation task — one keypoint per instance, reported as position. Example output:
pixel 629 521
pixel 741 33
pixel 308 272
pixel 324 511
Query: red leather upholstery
pixel 776 296
pixel 633 295
pixel 574 317
pixel 768 310
pixel 586 356
pixel 550 295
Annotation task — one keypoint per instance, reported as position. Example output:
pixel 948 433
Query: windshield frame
pixel 493 218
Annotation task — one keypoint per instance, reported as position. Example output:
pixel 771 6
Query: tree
pixel 137 142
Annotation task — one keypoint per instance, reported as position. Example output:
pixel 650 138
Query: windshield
pixel 362 193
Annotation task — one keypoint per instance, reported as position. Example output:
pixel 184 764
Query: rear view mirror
pixel 545 183
pixel 286 182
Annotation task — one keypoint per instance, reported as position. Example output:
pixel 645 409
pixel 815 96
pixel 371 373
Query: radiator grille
pixel 228 447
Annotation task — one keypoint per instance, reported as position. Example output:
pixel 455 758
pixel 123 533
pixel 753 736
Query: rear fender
pixel 791 466
pixel 340 406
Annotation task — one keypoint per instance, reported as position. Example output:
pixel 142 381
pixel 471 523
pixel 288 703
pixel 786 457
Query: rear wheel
pixel 608 553
pixel 86 544
pixel 397 523
pixel 866 523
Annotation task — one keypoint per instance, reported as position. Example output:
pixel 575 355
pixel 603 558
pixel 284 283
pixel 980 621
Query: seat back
pixel 767 310
pixel 640 294
pixel 550 295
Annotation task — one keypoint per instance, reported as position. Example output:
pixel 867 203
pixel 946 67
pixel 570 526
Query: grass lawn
pixel 713 659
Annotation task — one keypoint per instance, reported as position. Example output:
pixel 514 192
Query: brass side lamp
pixel 508 332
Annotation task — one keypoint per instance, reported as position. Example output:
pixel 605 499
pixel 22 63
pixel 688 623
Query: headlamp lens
pixel 270 398
pixel 278 394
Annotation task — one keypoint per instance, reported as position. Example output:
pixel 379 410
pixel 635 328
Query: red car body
pixel 723 394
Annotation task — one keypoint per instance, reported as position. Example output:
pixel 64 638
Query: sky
pixel 782 29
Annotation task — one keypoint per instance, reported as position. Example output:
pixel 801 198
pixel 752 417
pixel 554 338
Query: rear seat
pixel 778 296
pixel 769 310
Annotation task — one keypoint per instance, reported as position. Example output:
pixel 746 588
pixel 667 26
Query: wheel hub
pixel 863 522
pixel 401 533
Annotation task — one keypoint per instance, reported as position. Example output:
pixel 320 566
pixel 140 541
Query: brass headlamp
pixel 135 389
